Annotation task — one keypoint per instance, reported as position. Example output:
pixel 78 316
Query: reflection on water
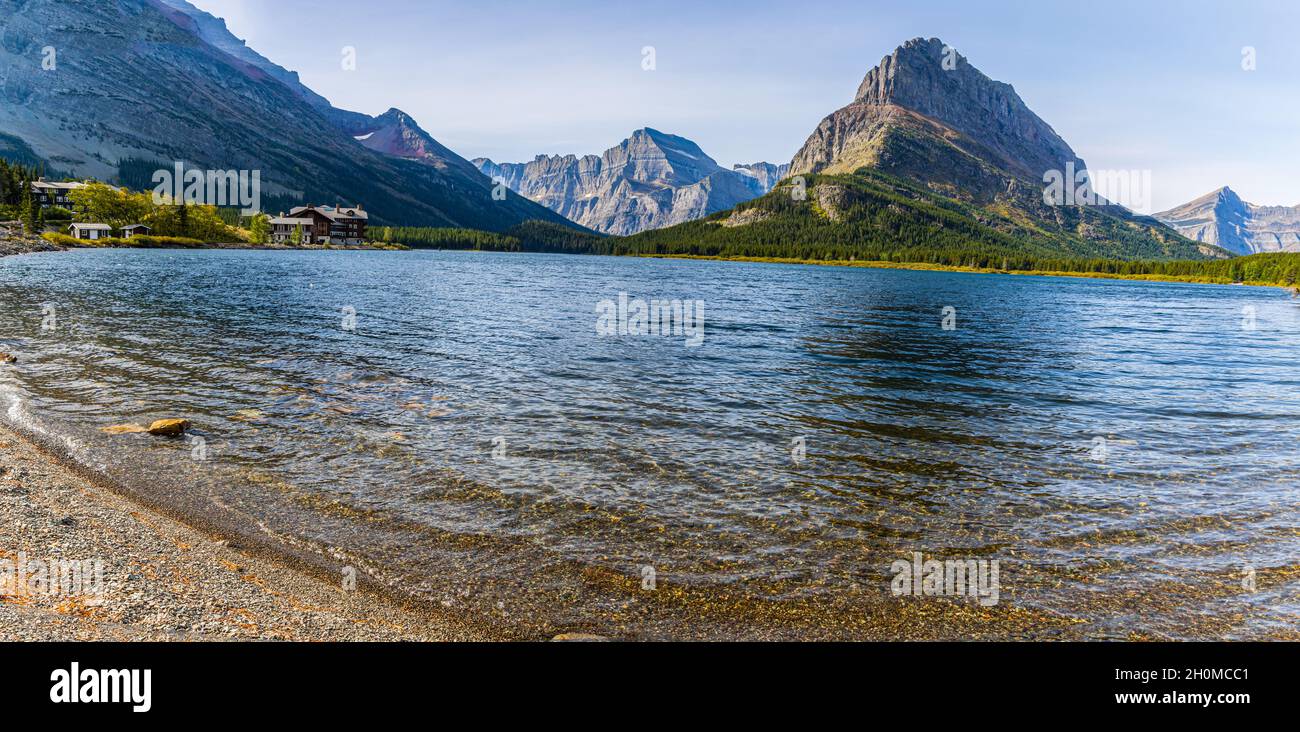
pixel 1126 449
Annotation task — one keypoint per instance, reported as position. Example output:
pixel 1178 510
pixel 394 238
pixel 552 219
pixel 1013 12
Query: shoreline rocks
pixel 26 245
pixel 123 429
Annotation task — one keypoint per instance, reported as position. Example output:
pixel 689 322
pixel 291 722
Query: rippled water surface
pixel 1126 450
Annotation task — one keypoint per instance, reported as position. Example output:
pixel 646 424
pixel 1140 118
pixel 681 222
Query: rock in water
pixel 8 358
pixel 169 427
pixel 123 429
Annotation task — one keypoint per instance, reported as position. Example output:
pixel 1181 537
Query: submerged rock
pixel 169 427
pixel 123 429
pixel 8 358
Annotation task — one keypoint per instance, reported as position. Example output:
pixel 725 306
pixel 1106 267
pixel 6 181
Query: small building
pixel 283 228
pixel 47 194
pixel 135 230
pixel 90 232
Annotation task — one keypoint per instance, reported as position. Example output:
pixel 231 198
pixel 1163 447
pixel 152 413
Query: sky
pixel 1144 85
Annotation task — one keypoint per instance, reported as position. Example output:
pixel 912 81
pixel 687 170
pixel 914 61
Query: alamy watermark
pixel 921 577
pixel 53 577
pixel 634 316
pixel 1075 186
pixel 196 187
pixel 75 685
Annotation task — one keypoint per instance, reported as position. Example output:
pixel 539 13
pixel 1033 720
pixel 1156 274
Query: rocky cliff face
pixel 1223 219
pixel 160 80
pixel 926 113
pixel 648 181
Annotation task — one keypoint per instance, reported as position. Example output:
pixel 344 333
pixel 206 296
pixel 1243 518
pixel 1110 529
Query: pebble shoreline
pixel 26 246
pixel 164 580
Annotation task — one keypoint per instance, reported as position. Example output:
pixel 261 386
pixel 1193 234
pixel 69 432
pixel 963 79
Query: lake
pixel 461 428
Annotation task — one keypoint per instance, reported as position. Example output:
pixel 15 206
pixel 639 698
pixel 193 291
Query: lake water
pixel 453 426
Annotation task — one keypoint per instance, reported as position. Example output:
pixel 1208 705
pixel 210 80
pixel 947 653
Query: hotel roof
pixel 332 213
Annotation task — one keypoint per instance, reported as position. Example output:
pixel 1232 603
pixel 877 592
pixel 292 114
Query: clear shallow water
pixel 475 442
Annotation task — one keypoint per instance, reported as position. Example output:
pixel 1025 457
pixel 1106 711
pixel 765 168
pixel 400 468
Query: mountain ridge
pixel 1223 218
pixel 168 82
pixel 649 180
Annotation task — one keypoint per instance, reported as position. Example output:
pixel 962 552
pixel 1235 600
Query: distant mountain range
pixel 928 144
pixel 648 181
pixel 931 150
pixel 1223 219
pixel 161 81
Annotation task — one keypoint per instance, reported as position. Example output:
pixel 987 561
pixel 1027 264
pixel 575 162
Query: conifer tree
pixel 30 211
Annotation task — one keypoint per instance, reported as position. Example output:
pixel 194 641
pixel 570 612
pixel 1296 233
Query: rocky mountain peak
pixel 927 86
pixel 908 73
pixel 1227 195
pixel 649 154
pixel 396 115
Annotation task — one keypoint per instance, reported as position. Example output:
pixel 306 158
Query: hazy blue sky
pixel 1138 84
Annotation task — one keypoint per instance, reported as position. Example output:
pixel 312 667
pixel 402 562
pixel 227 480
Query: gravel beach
pixel 163 580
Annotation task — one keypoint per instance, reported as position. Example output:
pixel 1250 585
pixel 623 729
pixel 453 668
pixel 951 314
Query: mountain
pixel 932 153
pixel 140 84
pixel 767 174
pixel 648 181
pixel 1222 218
pixel 926 113
pixel 393 133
